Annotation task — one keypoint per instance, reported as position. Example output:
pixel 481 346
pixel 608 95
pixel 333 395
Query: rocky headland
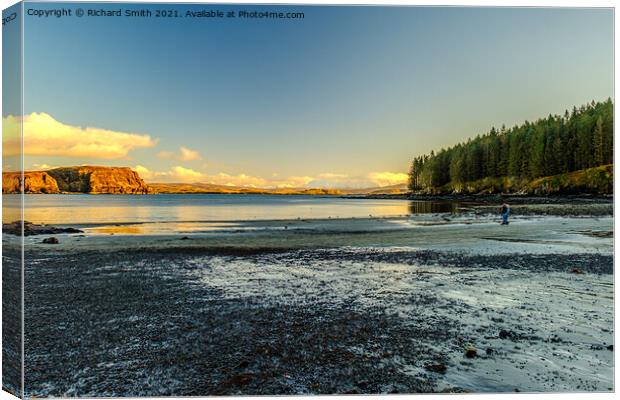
pixel 82 179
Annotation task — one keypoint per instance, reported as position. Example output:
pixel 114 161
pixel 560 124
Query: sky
pixel 344 97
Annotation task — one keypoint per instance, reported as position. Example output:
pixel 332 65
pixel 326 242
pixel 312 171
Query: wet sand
pixel 324 306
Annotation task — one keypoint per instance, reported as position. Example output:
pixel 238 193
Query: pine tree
pixel 599 142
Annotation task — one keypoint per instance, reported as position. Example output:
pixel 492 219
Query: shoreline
pixel 488 198
pixel 466 210
pixel 472 233
pixel 516 197
pixel 362 306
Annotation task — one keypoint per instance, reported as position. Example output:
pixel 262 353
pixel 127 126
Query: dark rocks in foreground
pixel 30 229
pixel 193 341
pixel 139 322
pixel 439 368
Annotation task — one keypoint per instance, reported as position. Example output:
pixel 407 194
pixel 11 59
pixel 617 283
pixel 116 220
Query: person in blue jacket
pixel 505 213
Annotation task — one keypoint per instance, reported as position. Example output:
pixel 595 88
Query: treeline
pixel 554 145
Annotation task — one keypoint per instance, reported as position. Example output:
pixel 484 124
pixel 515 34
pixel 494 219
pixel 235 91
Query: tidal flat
pixel 432 303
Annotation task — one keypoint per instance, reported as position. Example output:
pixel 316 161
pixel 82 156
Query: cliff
pixel 34 182
pixel 84 179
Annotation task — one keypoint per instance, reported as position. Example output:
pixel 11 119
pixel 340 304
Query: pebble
pixel 470 352
pixel 439 368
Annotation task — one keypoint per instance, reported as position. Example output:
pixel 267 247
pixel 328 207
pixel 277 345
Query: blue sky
pixel 344 97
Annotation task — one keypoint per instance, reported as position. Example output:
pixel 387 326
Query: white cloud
pixel 144 172
pixel 387 178
pixel 189 154
pixel 45 136
pixel 372 179
pixel 42 167
pixel 175 174
pixel 324 180
pixel 243 180
pixel 293 182
pixel 185 154
pixel 331 175
pixel 332 180
pixel 187 174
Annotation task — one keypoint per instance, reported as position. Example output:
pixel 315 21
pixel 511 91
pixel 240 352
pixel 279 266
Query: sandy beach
pixel 358 305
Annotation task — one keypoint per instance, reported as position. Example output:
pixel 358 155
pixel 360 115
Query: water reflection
pixel 165 228
pixel 11 207
pixel 88 210
pixel 432 207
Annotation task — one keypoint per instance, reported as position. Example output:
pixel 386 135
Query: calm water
pixel 106 209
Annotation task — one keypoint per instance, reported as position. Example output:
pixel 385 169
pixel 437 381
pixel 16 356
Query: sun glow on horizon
pixel 46 136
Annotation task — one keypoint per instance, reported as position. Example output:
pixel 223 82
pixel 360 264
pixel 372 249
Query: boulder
pixel 30 229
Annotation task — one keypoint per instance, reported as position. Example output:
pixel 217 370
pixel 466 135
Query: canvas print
pixel 237 199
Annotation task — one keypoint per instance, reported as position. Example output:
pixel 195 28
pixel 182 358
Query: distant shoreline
pixel 491 198
pixel 478 198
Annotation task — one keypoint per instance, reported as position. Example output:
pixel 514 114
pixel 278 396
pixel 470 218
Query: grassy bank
pixel 596 181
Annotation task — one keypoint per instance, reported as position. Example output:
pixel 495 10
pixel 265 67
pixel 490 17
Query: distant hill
pixel 171 188
pixel 178 188
pixel 393 189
